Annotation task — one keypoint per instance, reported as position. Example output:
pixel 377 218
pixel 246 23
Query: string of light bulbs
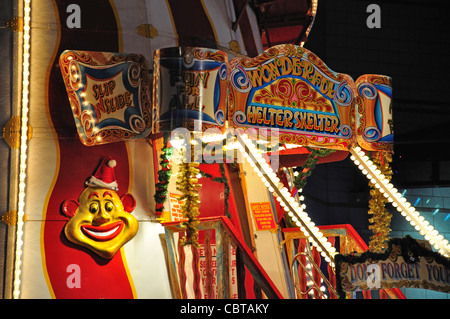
pixel 372 173
pixel 23 146
pixel 290 205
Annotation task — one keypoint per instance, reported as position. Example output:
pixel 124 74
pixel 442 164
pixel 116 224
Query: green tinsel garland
pixel 307 168
pixel 163 176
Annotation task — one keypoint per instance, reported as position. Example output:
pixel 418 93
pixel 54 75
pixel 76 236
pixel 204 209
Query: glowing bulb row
pixel 23 147
pixel 294 210
pixel 398 201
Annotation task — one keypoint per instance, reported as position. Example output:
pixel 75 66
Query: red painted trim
pixel 237 238
pixel 248 254
pixel 196 271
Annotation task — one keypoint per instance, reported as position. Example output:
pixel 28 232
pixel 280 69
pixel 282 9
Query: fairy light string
pixel 382 183
pixel 23 146
pixel 294 210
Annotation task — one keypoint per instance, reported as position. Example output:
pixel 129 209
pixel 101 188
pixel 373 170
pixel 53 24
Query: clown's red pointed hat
pixel 104 176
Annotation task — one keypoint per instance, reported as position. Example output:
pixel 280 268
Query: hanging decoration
pixel 307 168
pixel 187 183
pixel 381 217
pixel 163 176
pixel 101 220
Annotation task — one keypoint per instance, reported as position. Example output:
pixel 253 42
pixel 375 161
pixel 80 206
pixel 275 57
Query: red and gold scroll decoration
pixel 109 94
pixel 375 123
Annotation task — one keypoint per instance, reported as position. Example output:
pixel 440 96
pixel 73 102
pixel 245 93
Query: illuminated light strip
pixel 313 14
pixel 23 146
pixel 403 206
pixel 283 196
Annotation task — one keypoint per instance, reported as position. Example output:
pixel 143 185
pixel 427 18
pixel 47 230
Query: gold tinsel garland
pixel 187 183
pixel 381 218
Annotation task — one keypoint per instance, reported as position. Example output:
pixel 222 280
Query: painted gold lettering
pixel 308 69
pixel 255 77
pixel 317 79
pixel 288 115
pixel 325 86
pixel 286 65
pixel 251 114
pixel 266 73
pixel 334 124
pixel 259 114
pixel 275 73
pixel 296 67
pixel 302 120
pixel 310 121
pixel 279 118
pixel 321 119
pixel 316 126
pixel 272 113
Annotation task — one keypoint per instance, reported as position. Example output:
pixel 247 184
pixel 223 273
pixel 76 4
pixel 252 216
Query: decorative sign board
pixel 189 84
pixel 290 89
pixel 405 264
pixel 109 94
pixel 263 216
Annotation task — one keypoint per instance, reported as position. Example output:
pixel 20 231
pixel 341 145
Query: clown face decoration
pixel 101 220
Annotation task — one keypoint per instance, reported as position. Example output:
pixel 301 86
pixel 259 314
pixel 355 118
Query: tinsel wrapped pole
pixel 381 217
pixel 187 183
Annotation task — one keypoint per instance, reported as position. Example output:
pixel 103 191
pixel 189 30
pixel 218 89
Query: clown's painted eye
pixel 93 208
pixel 109 206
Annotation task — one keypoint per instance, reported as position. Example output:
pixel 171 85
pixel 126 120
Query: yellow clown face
pixel 101 220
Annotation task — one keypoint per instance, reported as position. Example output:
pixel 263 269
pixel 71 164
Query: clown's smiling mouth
pixel 103 232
